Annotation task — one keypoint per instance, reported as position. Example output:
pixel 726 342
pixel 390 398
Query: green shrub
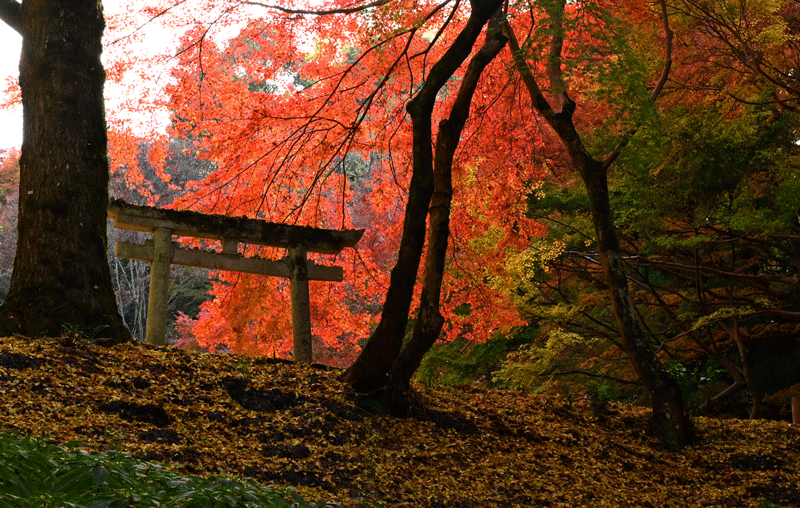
pixel 34 473
pixel 462 362
pixel 601 397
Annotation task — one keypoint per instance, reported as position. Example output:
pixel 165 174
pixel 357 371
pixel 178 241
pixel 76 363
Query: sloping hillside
pixel 294 425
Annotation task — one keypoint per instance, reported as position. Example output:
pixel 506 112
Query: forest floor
pixel 297 426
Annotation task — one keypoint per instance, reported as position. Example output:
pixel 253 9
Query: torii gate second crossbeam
pixel 161 251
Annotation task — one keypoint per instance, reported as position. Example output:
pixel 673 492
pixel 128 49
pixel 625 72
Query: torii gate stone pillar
pixel 161 252
pixel 301 304
pixel 158 300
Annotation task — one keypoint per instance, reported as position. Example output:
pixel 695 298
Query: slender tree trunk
pixel 368 373
pixel 430 321
pixel 733 331
pixel 61 279
pixel 670 419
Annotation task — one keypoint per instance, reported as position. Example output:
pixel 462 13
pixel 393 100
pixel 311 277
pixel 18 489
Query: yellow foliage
pixel 525 268
pixel 529 368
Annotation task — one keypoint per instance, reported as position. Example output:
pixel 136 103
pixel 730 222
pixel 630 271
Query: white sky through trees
pixel 10 47
pixel 10 120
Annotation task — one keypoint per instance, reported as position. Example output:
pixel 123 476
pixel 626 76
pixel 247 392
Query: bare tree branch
pixel 11 13
pixel 138 28
pixel 592 374
pixel 320 12
pixel 668 35
pixel 539 101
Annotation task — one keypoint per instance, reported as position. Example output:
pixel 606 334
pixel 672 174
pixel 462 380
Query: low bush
pixel 35 473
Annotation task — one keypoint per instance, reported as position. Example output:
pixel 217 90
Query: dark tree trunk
pixel 368 373
pixel 61 279
pixel 430 321
pixel 670 418
pixel 747 376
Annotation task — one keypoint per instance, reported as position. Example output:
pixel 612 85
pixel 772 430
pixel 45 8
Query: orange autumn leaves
pixel 304 120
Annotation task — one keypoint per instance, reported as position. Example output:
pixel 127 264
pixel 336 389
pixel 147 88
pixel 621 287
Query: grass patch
pixel 35 473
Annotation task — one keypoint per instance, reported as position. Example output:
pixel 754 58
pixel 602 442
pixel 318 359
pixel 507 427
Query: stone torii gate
pixel 161 251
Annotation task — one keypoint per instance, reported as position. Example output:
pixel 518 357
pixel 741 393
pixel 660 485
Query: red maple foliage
pixel 304 119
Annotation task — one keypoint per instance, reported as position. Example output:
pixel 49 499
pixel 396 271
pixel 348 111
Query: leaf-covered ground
pixel 292 425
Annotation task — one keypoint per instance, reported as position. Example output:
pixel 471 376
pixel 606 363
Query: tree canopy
pixel 616 182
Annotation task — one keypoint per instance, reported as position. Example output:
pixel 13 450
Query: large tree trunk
pixel 61 279
pixel 430 321
pixel 368 372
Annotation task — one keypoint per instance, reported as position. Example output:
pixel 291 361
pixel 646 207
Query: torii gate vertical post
pixel 301 305
pixel 158 300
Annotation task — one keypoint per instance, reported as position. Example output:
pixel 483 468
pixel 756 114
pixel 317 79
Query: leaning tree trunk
pixel 61 279
pixel 670 419
pixel 368 372
pixel 430 321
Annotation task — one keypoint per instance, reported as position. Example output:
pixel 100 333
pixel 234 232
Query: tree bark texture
pixel 61 279
pixel 429 318
pixel 670 419
pixel 369 372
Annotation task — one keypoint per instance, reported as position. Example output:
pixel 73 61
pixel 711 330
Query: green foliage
pixel 693 380
pixel 739 174
pixel 522 371
pixel 189 287
pixel 459 362
pixel 601 397
pixel 532 366
pixel 706 197
pixel 34 473
pixel 528 368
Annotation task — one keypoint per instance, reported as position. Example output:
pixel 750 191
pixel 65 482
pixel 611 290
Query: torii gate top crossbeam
pixel 237 229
